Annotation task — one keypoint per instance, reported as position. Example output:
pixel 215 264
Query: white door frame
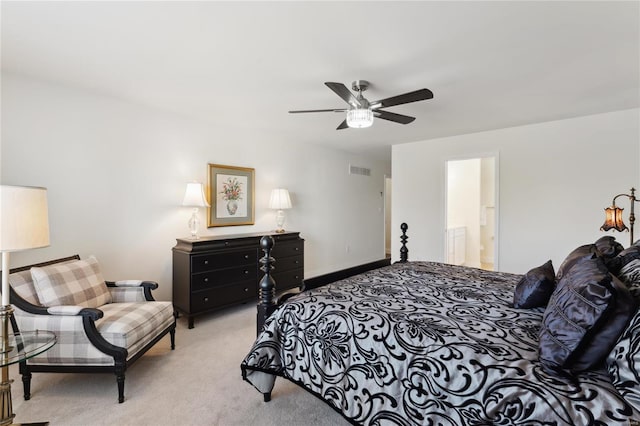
pixel 387 216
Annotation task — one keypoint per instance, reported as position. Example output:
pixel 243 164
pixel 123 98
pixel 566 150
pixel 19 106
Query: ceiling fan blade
pixel 415 96
pixel 342 125
pixel 392 116
pixel 342 91
pixel 318 110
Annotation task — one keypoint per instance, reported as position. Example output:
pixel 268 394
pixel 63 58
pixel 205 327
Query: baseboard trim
pixel 343 273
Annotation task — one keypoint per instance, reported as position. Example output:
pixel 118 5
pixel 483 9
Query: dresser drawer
pixel 224 295
pixel 208 262
pixel 288 279
pixel 286 249
pixel 223 277
pixel 286 263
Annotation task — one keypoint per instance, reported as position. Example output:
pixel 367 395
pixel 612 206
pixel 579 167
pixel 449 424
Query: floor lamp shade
pixel 613 219
pixel 24 222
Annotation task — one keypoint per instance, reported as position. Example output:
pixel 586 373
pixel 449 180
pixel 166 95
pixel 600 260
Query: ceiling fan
pixel 360 112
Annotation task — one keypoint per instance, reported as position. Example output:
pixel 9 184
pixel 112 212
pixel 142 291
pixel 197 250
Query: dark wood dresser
pixel 211 273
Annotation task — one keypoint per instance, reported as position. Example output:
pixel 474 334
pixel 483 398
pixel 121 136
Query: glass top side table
pixel 25 345
pixel 18 347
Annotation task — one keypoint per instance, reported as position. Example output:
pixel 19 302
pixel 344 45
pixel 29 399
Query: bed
pixel 429 343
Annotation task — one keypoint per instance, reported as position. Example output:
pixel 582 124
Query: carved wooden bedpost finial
pixel 404 251
pixel 267 286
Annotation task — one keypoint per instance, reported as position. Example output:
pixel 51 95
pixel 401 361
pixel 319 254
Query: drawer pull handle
pixel 246 289
pixel 246 256
pixel 206 280
pixel 246 272
pixel 206 262
pixel 226 243
pixel 297 249
pixel 296 262
pixel 206 299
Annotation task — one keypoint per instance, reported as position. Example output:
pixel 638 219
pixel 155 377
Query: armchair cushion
pixel 133 325
pixel 74 283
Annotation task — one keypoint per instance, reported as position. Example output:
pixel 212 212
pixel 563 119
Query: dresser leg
pixel 190 322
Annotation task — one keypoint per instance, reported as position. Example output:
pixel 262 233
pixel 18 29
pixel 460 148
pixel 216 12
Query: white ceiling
pixel 242 65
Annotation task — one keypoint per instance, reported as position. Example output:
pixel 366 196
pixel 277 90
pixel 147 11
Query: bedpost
pixel 267 286
pixel 404 251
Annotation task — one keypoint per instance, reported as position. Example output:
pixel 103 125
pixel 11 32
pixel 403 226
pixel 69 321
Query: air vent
pixel 362 171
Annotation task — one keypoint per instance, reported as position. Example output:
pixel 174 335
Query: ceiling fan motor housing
pixel 360 85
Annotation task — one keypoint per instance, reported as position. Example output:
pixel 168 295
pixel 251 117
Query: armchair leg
pixel 120 380
pixel 172 333
pixel 120 368
pixel 26 384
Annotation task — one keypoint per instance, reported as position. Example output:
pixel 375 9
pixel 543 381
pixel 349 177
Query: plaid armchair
pixel 99 328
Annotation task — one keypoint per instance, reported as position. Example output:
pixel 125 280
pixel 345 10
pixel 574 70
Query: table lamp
pixel 24 225
pixel 280 200
pixel 194 197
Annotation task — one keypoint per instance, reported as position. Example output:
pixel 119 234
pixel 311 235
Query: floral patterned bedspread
pixel 425 343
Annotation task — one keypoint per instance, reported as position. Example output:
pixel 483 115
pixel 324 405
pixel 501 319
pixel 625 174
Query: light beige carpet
pixel 199 383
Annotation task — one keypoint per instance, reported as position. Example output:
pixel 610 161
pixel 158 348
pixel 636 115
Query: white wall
pixel 116 174
pixel 555 179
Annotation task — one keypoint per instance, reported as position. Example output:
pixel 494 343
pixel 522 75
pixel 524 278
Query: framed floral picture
pixel 231 195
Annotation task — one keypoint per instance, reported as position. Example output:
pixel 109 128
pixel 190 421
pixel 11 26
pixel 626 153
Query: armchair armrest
pixel 152 285
pixel 131 290
pixel 72 310
pixel 75 310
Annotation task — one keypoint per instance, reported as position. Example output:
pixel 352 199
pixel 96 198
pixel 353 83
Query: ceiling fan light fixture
pixel 359 118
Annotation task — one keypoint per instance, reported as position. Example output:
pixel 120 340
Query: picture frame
pixel 231 195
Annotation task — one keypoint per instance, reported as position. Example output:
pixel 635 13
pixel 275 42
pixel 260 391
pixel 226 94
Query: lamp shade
pixel 613 219
pixel 280 199
pixel 194 196
pixel 24 219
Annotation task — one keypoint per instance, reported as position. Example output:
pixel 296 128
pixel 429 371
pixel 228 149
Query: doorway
pixel 471 217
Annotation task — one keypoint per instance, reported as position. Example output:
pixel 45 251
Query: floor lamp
pixel 614 220
pixel 24 225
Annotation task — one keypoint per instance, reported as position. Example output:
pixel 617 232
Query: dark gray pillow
pixel 587 251
pixel 608 247
pixel 586 314
pixel 535 287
